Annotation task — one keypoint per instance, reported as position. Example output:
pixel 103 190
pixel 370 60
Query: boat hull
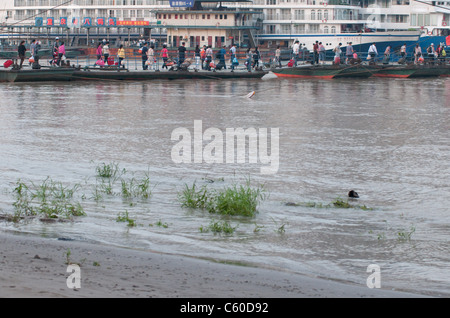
pixel 122 75
pixel 409 71
pixel 40 75
pixel 323 71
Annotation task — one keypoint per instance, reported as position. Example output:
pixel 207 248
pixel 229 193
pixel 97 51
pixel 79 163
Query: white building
pixel 281 23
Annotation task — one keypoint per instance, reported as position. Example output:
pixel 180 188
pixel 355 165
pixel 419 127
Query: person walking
pixel 21 51
pixel 165 56
pixel 256 58
pixel 337 54
pixel 151 57
pixel 278 56
pixel 295 52
pixel 387 55
pixel 209 56
pixel 197 57
pixel 55 50
pixel 61 53
pixel 403 51
pixel 233 56
pixel 32 50
pixel 431 52
pixel 105 52
pixel 203 56
pixel 315 53
pixel 417 53
pixel 373 52
pixel 181 54
pixel 248 56
pixel 221 56
pixel 144 50
pixel 349 52
pixel 99 51
pixel 121 56
pixel 321 53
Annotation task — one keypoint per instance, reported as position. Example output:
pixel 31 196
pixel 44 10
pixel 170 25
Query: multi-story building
pixel 261 22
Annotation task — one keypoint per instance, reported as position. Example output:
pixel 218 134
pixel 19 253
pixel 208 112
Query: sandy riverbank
pixel 36 267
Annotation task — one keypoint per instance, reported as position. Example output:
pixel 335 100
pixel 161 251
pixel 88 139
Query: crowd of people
pixel 202 58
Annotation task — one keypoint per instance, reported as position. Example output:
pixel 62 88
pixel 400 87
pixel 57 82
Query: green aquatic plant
pixel 161 224
pixel 124 217
pixel 133 188
pixel 50 199
pixel 109 170
pixel 218 227
pixel 194 197
pixel 337 203
pixel 237 200
pixel 405 235
pixel 232 200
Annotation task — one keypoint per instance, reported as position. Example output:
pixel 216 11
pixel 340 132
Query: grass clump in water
pixel 232 200
pixel 124 217
pixel 337 203
pixel 134 188
pixel 218 227
pixel 194 197
pixel 108 170
pixel 128 188
pixel 50 199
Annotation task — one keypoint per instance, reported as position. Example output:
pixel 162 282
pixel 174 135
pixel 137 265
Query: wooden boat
pixel 324 71
pixel 123 74
pixel 37 75
pixel 407 71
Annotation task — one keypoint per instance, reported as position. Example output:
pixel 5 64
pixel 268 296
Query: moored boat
pixel 407 71
pixel 37 75
pixel 324 71
pixel 118 74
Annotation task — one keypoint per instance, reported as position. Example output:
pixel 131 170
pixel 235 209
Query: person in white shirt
pixel 295 51
pixel 373 52
pixel 337 54
pixel 403 50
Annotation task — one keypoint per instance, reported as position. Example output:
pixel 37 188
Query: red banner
pixel 133 23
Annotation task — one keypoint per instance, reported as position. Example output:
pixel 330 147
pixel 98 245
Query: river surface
pixel 387 139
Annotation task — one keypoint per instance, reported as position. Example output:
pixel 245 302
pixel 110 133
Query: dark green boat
pixel 37 75
pixel 324 71
pixel 120 75
pixel 408 71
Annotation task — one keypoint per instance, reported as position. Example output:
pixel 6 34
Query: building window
pixel 299 14
pixel 313 14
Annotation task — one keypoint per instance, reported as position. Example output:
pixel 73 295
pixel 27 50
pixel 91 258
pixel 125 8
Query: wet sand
pixel 36 267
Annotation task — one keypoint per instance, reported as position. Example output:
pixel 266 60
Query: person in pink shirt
pixel 165 56
pixel 61 53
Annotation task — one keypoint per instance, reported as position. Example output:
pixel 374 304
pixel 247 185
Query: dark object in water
pixel 353 194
